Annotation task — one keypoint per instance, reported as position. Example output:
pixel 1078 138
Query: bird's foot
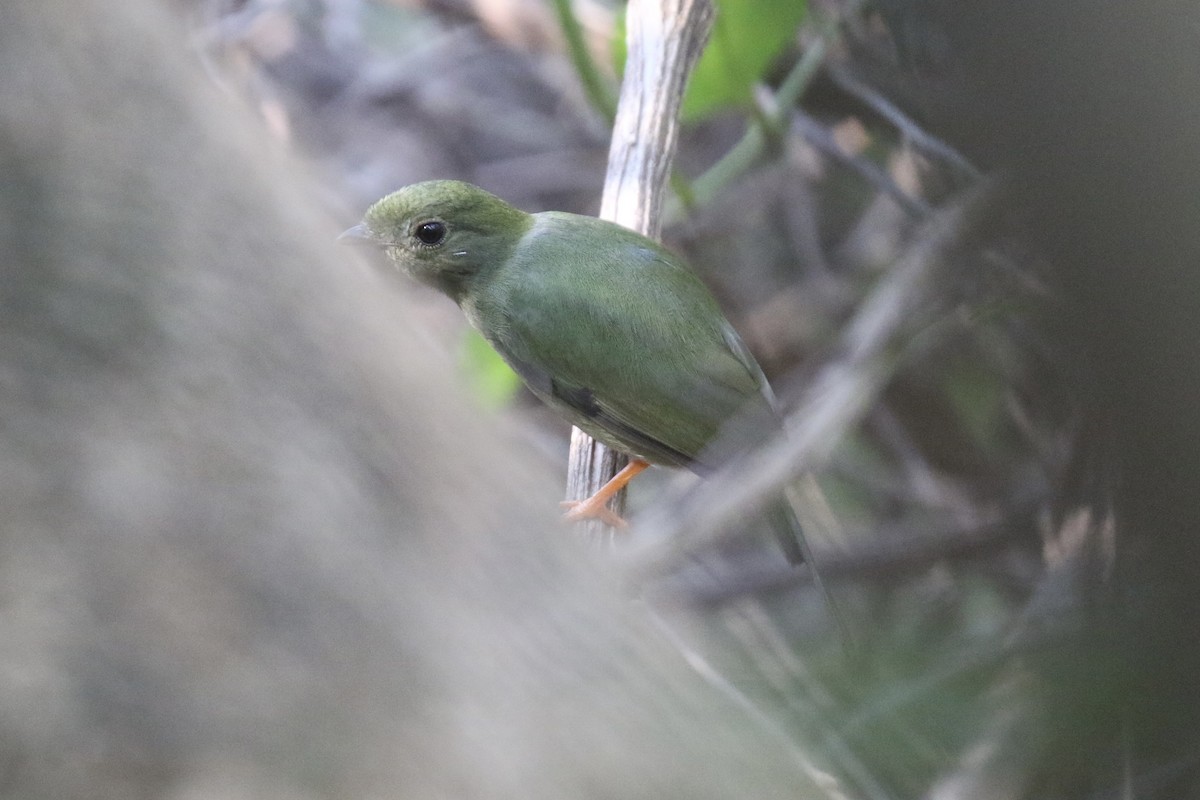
pixel 580 510
pixel 596 506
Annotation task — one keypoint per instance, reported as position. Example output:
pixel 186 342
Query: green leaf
pixel 747 36
pixel 492 382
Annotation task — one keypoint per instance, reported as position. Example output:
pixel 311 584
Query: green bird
pixel 602 323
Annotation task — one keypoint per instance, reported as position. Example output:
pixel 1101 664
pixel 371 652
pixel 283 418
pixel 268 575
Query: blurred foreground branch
pixel 255 543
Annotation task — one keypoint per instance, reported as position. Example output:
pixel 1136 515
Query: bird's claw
pixel 580 510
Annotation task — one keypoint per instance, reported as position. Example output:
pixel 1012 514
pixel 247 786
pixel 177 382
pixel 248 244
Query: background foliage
pixel 961 521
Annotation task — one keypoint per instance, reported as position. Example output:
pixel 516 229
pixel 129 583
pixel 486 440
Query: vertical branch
pixel 665 39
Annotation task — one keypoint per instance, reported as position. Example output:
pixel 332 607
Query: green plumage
pixel 602 323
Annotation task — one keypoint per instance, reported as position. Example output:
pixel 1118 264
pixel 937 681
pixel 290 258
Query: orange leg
pixel 596 506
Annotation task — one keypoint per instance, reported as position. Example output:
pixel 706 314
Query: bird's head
pixel 443 233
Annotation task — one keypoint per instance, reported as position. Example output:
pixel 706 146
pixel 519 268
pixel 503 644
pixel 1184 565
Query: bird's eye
pixel 431 233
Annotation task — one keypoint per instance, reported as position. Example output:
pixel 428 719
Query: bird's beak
pixel 359 234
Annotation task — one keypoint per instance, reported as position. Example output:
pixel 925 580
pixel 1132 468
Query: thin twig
pixel 908 127
pixel 753 144
pixel 822 139
pixel 890 554
pixel 768 125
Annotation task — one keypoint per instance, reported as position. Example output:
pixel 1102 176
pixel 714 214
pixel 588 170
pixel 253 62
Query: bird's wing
pixel 629 344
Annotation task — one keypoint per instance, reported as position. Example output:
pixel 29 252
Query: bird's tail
pixel 786 526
